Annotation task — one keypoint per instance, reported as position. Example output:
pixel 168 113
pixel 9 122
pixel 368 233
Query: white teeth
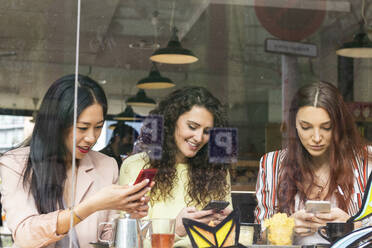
pixel 192 144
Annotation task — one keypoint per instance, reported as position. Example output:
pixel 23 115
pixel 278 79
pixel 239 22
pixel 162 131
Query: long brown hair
pixel 346 143
pixel 206 181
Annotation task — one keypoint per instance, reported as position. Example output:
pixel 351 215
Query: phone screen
pixel 146 173
pixel 317 206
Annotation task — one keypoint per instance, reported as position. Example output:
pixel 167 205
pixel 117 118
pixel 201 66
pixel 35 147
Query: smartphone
pixel 317 206
pixel 146 173
pixel 216 205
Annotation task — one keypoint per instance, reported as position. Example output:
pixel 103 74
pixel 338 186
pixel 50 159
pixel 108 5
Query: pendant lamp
pixel 360 47
pixel 141 99
pixel 155 80
pixel 128 115
pixel 174 53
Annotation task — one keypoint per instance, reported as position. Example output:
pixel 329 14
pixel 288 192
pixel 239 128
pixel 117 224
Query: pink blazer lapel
pixel 85 178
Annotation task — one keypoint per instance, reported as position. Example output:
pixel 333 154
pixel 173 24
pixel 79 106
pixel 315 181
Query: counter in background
pixel 246 202
pixel 244 175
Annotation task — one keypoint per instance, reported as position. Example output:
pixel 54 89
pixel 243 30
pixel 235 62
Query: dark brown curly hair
pixel 206 181
pixel 345 145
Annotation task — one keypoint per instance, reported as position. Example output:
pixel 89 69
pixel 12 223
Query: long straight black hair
pixel 45 172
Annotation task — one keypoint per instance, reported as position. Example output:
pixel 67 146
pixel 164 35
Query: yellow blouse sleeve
pixel 130 168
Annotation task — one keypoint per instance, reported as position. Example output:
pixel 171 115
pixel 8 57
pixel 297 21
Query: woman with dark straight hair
pixel 325 159
pixel 37 177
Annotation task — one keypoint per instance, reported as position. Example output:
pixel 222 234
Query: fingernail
pixel 147 180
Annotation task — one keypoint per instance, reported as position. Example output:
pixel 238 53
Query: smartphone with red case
pixel 146 173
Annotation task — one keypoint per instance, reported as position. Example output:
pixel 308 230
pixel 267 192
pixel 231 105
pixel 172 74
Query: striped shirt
pixel 267 183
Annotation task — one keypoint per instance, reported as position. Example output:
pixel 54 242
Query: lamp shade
pixel 128 115
pixel 113 126
pixel 155 80
pixel 141 99
pixel 360 47
pixel 174 53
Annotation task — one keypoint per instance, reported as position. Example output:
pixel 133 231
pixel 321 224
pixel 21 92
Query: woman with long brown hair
pixel 325 159
pixel 186 179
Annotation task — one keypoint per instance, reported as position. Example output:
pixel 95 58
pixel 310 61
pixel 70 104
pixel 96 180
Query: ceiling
pixel 38 41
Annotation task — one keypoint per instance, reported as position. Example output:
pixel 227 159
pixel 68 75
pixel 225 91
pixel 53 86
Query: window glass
pixel 252 55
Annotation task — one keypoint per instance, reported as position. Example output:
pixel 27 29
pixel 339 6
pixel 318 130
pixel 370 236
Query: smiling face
pixel 192 132
pixel 88 128
pixel 314 129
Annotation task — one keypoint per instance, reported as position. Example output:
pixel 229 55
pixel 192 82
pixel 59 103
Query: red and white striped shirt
pixel 268 176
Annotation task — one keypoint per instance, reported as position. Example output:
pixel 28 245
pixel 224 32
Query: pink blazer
pixel 29 228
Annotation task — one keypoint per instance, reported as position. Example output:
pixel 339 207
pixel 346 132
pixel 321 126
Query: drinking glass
pixel 250 233
pixel 161 232
pixel 246 235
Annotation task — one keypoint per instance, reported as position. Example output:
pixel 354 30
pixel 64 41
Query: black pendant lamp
pixel 128 115
pixel 141 99
pixel 155 80
pixel 360 47
pixel 174 53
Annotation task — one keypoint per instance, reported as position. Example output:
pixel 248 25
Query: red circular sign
pixel 290 23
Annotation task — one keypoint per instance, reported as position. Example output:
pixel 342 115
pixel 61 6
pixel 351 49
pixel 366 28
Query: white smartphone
pixel 317 206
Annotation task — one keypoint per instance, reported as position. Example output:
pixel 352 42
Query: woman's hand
pixel 306 223
pixel 141 211
pixel 336 215
pixel 218 217
pixel 129 198
pixel 204 216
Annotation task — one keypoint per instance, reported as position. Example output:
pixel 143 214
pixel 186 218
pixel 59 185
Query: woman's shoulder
pixel 137 159
pixel 101 159
pixel 131 167
pixel 16 159
pixel 99 155
pixel 278 153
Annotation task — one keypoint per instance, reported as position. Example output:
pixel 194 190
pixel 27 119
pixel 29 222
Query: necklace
pixel 321 187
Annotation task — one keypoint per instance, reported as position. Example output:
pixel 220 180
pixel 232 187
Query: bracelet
pixel 75 214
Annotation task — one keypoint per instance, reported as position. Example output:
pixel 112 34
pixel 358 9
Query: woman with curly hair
pixel 325 159
pixel 186 181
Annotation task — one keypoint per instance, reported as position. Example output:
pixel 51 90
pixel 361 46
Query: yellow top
pixel 171 206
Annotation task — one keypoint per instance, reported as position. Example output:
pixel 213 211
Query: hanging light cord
pixel 171 25
pixel 155 23
pixel 363 12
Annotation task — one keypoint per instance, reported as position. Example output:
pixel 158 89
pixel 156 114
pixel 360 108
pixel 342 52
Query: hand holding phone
pixel 216 205
pixel 317 206
pixel 146 174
